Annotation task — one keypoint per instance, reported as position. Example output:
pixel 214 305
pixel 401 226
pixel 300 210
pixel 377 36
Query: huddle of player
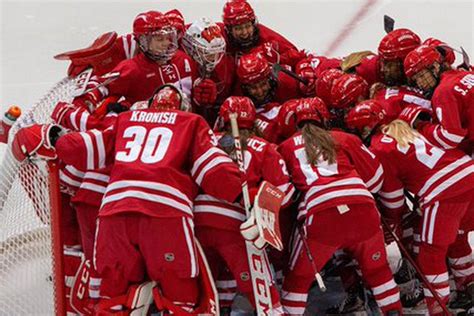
pixel 143 175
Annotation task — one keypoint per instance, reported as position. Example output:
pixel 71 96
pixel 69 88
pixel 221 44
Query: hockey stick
pixel 276 68
pixel 415 265
pixel 317 275
pixel 258 260
pixel 388 23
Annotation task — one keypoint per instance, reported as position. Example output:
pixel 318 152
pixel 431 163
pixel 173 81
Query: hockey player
pixel 159 158
pixel 442 180
pixel 324 84
pixel 346 91
pixel 451 95
pixel 311 68
pixel 387 66
pixel 204 42
pixel 158 62
pixel 218 222
pixel 245 34
pixel 336 182
pixel 108 50
pixel 256 81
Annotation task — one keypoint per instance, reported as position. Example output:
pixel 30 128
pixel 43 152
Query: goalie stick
pixel 415 265
pixel 258 260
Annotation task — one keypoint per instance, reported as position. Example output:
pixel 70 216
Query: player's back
pixel 428 171
pixel 160 157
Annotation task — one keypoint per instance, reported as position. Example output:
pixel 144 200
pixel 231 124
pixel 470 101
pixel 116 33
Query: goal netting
pixel 26 260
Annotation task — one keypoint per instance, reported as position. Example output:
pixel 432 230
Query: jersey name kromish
pixel 153 117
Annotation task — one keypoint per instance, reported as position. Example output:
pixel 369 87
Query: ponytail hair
pixel 318 144
pixel 401 132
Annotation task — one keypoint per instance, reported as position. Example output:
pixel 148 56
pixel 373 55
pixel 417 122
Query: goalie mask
pixel 169 97
pixel 156 36
pixel 203 41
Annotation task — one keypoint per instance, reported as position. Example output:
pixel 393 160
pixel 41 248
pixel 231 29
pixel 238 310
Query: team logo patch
pixel 169 256
pixel 376 256
pixel 244 276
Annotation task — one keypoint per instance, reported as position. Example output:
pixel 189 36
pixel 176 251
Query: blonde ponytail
pixel 318 144
pixel 401 132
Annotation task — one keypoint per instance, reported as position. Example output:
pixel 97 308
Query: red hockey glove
pixel 269 50
pixel 88 100
pixel 204 92
pixel 305 70
pixel 412 114
pixel 36 141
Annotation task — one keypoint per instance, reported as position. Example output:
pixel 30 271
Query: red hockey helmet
pixel 237 12
pixel 324 84
pixel 347 90
pixel 421 58
pixel 253 68
pixel 312 109
pixel 366 114
pixel 243 106
pixel 286 118
pixel 397 44
pixel 167 97
pixel 176 20
pixel 449 56
pixel 149 22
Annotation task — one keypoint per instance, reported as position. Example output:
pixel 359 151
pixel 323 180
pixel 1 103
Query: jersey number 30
pixel 150 146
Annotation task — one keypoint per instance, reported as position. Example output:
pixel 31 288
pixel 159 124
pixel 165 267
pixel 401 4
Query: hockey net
pixel 27 262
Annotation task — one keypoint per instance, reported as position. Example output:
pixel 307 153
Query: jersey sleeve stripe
pixel 378 174
pixel 220 211
pixel 100 148
pixel 203 157
pixel 89 150
pixel 392 194
pixel 211 164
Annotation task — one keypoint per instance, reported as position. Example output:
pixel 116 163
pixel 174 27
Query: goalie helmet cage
pixel 31 272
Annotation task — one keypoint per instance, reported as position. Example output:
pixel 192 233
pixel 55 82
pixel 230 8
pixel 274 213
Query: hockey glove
pixel 305 70
pixel 36 142
pixel 204 92
pixel 412 114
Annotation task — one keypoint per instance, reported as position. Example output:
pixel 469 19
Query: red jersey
pixel 267 122
pixel 395 99
pixel 350 180
pixel 322 63
pixel 262 162
pixel 158 159
pixel 280 44
pixel 453 104
pixel 423 169
pixel 141 76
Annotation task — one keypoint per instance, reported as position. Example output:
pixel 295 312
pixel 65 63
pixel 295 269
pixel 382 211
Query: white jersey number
pixel 150 146
pixel 428 157
pixel 312 173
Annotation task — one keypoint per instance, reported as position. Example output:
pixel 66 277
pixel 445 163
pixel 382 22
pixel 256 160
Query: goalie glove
pixel 36 142
pixel 249 230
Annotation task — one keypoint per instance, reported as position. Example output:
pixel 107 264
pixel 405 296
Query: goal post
pixel 31 267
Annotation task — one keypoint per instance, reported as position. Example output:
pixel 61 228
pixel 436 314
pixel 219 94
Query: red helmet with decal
pixel 168 97
pixel 286 118
pixel 347 90
pixel 312 109
pixel 253 68
pixel 366 114
pixel 176 20
pixel 243 107
pixel 448 56
pixel 421 58
pixel 237 12
pixel 155 25
pixel 397 44
pixel 324 84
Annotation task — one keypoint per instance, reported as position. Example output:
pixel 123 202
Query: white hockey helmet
pixel 204 42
